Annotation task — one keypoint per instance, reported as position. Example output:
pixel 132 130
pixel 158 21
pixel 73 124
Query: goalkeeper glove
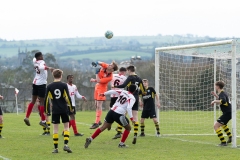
pixel 94 64
pixel 97 70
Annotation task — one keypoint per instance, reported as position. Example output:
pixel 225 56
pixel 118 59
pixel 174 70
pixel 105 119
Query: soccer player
pixel 223 100
pixel 1 119
pixel 149 107
pixel 58 93
pixel 123 104
pixel 73 91
pixel 132 79
pixel 103 76
pixel 118 79
pixel 38 88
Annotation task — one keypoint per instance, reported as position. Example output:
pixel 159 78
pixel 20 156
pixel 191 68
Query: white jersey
pixel 41 72
pixel 124 103
pixel 72 92
pixel 117 80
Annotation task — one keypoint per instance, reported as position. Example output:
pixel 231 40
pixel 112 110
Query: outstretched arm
pixel 125 83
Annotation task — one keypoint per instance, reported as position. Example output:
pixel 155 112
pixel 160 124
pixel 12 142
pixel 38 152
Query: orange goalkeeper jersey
pixel 104 76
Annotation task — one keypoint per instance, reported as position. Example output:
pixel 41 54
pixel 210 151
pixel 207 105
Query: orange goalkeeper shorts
pixel 98 90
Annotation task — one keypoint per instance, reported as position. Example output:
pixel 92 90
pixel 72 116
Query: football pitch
pixel 23 142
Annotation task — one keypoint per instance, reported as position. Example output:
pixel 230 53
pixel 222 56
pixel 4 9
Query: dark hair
pixel 38 54
pixel 122 69
pixel 57 73
pixel 220 84
pixel 145 80
pixel 68 76
pixel 115 67
pixel 132 88
pixel 131 68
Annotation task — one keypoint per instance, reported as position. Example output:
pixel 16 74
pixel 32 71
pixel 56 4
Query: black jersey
pixel 133 79
pixel 57 92
pixel 225 105
pixel 149 99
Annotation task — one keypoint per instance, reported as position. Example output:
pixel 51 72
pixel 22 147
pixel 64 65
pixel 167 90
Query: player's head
pixel 122 71
pixel 131 69
pixel 39 56
pixel 145 82
pixel 112 67
pixel 132 88
pixel 219 85
pixel 57 74
pixel 70 78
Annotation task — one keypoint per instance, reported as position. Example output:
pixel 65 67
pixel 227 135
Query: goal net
pixel 185 77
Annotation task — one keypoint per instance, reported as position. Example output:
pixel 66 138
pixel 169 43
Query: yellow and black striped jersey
pixel 58 93
pixel 133 79
pixel 225 105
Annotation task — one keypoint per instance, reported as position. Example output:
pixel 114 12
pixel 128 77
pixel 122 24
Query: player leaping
pixel 38 88
pixel 103 77
pixel 117 113
pixel 132 79
pixel 73 91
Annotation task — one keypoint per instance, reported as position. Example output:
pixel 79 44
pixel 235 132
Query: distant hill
pixel 95 47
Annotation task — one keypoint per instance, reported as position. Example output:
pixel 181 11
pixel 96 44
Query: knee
pixel 128 127
pixel 1 119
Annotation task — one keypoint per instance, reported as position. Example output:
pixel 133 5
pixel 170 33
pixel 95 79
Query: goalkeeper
pixel 149 107
pixel 226 108
pixel 103 76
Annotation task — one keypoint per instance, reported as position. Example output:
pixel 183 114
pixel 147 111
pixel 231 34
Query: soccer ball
pixel 109 34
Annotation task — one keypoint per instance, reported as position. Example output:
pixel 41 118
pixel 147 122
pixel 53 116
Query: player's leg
pixel 41 95
pixel 99 103
pixel 142 126
pixel 109 119
pixel 1 122
pixel 228 117
pixel 48 122
pixel 55 122
pixel 135 117
pixel 125 123
pixel 153 116
pixel 31 104
pixel 217 129
pixel 73 122
pixel 65 121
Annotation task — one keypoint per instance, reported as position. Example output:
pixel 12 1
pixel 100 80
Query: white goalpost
pixel 184 78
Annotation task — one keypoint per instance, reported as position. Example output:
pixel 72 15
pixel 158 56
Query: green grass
pixel 115 55
pixel 24 143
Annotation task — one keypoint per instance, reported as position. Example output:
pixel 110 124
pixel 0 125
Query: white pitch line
pixel 169 137
pixel 4 158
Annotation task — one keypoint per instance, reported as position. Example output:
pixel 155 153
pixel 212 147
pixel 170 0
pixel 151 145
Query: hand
pixel 213 93
pixel 1 97
pixel 94 64
pixel 101 94
pixel 158 105
pixel 133 121
pixel 212 103
pixel 93 80
pixel 51 69
pixel 84 98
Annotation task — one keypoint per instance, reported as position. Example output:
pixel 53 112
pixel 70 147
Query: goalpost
pixel 184 78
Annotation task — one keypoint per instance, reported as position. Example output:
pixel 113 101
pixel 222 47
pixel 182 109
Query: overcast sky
pixel 44 19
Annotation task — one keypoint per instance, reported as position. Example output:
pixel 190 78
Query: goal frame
pixel 233 76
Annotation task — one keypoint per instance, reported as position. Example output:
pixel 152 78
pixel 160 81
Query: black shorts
pixel 1 113
pixel 112 101
pixel 116 117
pixel 74 110
pixel 225 118
pixel 135 105
pixel 149 113
pixel 63 116
pixel 39 90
